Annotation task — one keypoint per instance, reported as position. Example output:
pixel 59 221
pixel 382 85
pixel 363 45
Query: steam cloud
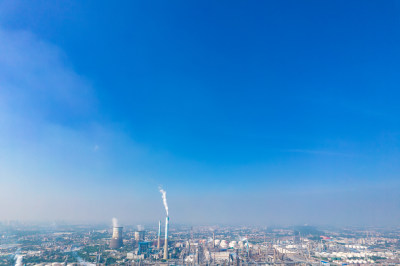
pixel 115 222
pixel 18 260
pixel 164 197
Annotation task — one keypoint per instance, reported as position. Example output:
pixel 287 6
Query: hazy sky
pixel 259 112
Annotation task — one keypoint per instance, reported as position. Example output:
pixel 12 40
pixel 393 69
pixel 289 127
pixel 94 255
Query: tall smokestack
pixel 159 234
pixel 164 197
pixel 116 240
pixel 166 238
pixel 213 239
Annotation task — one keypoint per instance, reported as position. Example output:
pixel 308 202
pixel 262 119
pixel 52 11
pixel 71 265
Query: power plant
pixel 116 240
pixel 166 238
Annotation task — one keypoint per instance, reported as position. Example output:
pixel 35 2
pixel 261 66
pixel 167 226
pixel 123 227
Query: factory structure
pixel 143 248
pixel 215 245
pixel 209 245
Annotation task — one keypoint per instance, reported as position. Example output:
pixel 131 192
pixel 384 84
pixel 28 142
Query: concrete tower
pixel 159 234
pixel 213 239
pixel 116 240
pixel 140 235
pixel 166 238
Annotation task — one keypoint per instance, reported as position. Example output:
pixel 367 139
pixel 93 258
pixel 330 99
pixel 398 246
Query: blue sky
pixel 285 111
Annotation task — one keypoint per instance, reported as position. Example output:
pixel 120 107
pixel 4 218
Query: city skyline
pixel 246 113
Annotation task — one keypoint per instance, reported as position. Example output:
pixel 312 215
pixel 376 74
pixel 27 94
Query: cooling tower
pixel 159 234
pixel 116 240
pixel 166 238
pixel 140 235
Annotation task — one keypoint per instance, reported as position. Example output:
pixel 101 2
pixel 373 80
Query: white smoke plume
pixel 115 222
pixel 140 227
pixel 81 262
pixel 164 197
pixel 18 261
pixel 243 239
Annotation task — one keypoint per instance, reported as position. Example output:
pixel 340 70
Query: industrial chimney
pixel 213 239
pixel 166 238
pixel 159 234
pixel 116 240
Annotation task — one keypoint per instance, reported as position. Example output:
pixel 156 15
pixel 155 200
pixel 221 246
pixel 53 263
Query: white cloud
pixel 43 159
pixel 36 80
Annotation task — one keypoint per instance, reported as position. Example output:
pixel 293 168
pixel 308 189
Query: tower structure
pixel 213 239
pixel 140 235
pixel 116 240
pixel 166 238
pixel 159 234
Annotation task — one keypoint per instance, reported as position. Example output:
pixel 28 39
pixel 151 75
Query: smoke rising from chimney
pixel 164 197
pixel 115 222
pixel 18 261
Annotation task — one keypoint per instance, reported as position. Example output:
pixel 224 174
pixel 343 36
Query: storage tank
pixel 223 244
pixel 233 244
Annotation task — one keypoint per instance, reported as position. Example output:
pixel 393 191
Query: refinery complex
pixel 210 133
pixel 62 244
